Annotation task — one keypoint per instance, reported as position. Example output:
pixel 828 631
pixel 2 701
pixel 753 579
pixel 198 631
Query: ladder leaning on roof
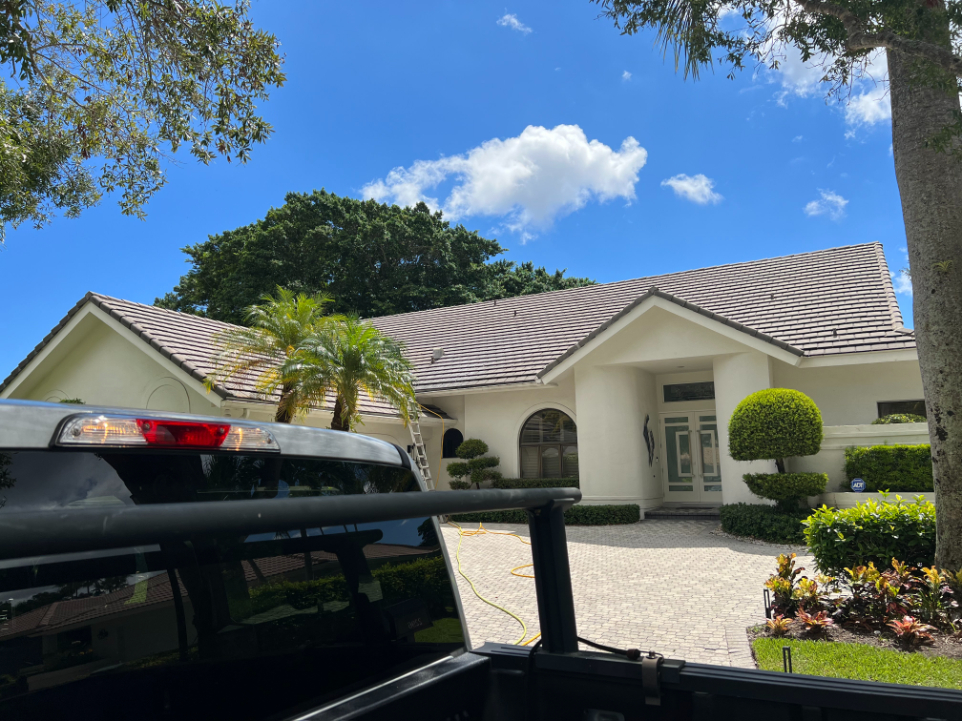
pixel 419 453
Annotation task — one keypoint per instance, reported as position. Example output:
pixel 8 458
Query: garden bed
pixel 943 646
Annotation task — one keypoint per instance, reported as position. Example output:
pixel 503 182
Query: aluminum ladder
pixel 420 453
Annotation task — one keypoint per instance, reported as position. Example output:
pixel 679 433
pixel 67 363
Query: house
pixel 627 385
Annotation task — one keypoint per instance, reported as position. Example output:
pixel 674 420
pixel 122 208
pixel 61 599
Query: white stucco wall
pixel 848 394
pixel 496 418
pixel 101 367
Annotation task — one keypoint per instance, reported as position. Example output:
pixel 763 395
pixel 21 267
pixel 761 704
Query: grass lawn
pixel 859 661
pixel 444 630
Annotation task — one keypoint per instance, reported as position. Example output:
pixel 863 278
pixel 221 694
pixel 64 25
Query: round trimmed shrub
pixel 786 488
pixel 773 424
pixel 898 418
pixel 471 448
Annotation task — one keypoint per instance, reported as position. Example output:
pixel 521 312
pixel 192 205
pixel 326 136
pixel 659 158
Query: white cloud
pixel 869 107
pixel 831 204
pixel 510 20
pixel 902 282
pixel 626 75
pixel 528 180
pixel 797 139
pixel 696 188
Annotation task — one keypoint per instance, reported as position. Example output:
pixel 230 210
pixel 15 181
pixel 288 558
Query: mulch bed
pixel 944 646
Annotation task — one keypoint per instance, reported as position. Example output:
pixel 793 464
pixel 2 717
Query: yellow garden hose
pixel 482 531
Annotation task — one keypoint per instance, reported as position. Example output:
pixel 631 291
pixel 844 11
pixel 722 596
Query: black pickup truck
pixel 162 566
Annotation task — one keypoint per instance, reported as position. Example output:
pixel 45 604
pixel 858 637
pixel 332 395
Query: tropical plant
pixel 814 623
pixel 783 585
pixel 921 43
pixel 779 625
pixel 323 242
pixel 775 424
pixel 345 357
pixel 278 330
pixel 100 93
pixel 910 631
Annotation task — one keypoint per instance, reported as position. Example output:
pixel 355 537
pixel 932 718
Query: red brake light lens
pixel 182 434
pixel 127 432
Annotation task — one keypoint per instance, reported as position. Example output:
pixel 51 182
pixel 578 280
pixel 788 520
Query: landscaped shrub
pixel 898 418
pixel 776 424
pixel 574 516
pixel 891 468
pixel 764 522
pixel 476 466
pixel 535 483
pixel 872 532
pixel 785 487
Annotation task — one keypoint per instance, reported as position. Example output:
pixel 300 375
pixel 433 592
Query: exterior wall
pixel 848 394
pixel 101 367
pixel 496 418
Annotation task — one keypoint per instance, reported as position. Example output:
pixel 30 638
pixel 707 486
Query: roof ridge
pixel 889 290
pixel 582 288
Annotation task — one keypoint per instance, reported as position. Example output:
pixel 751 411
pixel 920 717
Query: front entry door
pixel 691 461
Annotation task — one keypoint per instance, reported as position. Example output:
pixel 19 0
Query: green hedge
pixel 764 522
pixel 773 424
pixel 872 532
pixel 535 483
pixel 898 418
pixel 574 516
pixel 891 468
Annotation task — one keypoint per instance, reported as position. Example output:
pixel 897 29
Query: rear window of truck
pixel 259 626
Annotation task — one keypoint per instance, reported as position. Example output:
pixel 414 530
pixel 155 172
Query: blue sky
pixel 464 94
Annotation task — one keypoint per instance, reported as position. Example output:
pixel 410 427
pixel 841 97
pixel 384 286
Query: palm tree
pixel 345 357
pixel 278 329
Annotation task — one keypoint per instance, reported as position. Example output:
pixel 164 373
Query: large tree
pixel 921 41
pixel 98 94
pixel 373 259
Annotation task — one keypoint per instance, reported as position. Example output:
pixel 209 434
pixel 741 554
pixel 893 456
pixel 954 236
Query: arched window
pixel 549 446
pixel 452 439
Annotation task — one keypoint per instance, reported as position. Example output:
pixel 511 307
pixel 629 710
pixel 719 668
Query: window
pixel 452 439
pixel 189 630
pixel 690 392
pixel 915 408
pixel 549 446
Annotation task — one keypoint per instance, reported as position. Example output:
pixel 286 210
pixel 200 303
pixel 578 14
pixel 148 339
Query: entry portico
pixel 629 385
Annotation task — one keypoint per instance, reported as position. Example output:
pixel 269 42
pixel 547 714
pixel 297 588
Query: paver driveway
pixel 669 585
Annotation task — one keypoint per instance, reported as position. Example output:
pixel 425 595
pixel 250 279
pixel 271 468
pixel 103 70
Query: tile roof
pixel 822 303
pixel 826 302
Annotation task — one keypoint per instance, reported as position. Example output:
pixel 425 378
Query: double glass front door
pixel 691 458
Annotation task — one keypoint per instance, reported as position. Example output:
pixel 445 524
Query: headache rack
pixel 550 680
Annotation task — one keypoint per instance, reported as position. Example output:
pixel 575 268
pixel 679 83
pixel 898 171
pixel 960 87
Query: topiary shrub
pixel 457 485
pixel 872 532
pixel 891 468
pixel 785 487
pixel 898 418
pixel 476 466
pixel 775 424
pixel 764 522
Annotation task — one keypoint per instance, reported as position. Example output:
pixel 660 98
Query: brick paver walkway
pixel 667 585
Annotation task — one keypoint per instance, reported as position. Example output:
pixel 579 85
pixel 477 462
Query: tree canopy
pixel 98 94
pixel 373 259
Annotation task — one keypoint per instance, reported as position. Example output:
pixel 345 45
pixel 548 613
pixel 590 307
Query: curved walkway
pixel 672 586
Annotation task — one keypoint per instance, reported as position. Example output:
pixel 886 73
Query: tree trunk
pixel 930 185
pixel 337 423
pixel 285 409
